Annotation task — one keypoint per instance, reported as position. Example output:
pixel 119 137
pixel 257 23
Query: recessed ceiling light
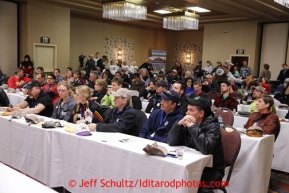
pixel 198 9
pixel 162 11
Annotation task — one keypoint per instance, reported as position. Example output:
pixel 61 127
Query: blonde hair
pixel 102 83
pixel 84 91
pixel 67 85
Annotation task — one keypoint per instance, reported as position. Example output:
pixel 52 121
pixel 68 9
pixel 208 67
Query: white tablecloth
pixel 56 157
pixel 252 169
pixel 25 148
pixel 281 113
pixel 16 182
pixel 15 98
pixel 144 105
pixel 281 146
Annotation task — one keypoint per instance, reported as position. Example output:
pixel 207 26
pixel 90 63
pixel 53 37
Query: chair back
pixel 134 93
pixel 227 115
pixel 213 95
pixel 231 142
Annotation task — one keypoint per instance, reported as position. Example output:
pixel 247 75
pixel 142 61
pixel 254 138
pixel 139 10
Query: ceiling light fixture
pixel 198 9
pixel 181 21
pixel 162 11
pixel 283 2
pixel 124 11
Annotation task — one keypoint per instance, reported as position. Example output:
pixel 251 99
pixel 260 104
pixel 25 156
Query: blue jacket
pixel 160 124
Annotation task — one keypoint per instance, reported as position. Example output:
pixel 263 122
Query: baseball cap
pixel 32 84
pixel 82 129
pixel 122 92
pixel 209 76
pixel 170 95
pixel 225 82
pixel 201 102
pixel 260 88
pixel 175 71
pixel 162 83
pixel 229 62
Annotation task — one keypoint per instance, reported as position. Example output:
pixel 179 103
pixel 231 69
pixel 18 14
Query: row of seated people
pixel 198 129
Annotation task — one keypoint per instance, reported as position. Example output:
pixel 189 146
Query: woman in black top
pixel 100 89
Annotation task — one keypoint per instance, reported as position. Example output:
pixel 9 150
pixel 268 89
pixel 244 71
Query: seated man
pixel 264 118
pixel 200 130
pixel 210 85
pixel 17 81
pixel 37 101
pixel 161 120
pixel 138 84
pixel 257 92
pixel 155 101
pixel 122 118
pixel 180 87
pixel 226 99
pixel 51 88
pixel 199 92
pixel 41 79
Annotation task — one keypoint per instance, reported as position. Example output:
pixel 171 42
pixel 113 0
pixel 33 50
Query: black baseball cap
pixel 201 102
pixel 32 84
pixel 170 95
pixel 162 83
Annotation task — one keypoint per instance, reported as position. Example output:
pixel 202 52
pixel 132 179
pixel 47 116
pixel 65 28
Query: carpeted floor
pixel 280 182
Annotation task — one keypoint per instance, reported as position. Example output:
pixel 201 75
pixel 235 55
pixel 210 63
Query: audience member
pixel 226 99
pixel 148 66
pixel 57 75
pixel 41 79
pixel 4 100
pixel 151 90
pixel 107 100
pixel 51 88
pixel 39 70
pixel 86 111
pixel 283 73
pixel 266 73
pixel 200 130
pixel 65 104
pixel 27 67
pixel 120 119
pixel 210 85
pixel 245 70
pixel 155 101
pixel 77 81
pixel 133 68
pixel 100 90
pixel 190 87
pixel 209 67
pixel 113 67
pixel 264 118
pixel 199 92
pixel 17 81
pixel 178 68
pixel 161 120
pixel 37 102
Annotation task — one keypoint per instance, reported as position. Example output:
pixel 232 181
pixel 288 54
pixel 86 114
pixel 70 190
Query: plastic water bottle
pixel 220 120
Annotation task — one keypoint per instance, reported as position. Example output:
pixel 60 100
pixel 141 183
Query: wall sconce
pixel 188 57
pixel 119 54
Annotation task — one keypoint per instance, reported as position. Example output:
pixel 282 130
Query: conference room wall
pixel 173 37
pixel 219 46
pixel 8 36
pixel 88 36
pixel 39 19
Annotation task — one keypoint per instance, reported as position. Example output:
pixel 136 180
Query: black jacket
pixel 211 87
pixel 154 103
pixel 99 95
pixel 4 101
pixel 283 76
pixel 120 121
pixel 140 87
pixel 205 138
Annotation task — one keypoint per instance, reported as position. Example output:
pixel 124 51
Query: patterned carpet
pixel 280 182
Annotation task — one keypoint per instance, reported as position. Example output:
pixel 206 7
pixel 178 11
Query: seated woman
pixel 190 88
pixel 64 106
pixel 105 76
pixel 151 89
pixel 86 111
pixel 100 90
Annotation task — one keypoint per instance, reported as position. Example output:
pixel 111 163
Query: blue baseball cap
pixel 170 95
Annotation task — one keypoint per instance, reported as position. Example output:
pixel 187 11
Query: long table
pixel 281 146
pixel 55 157
pixel 16 182
pixel 281 113
pixel 16 98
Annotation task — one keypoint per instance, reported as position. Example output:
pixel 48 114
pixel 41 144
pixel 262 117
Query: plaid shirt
pixel 245 71
pixel 230 102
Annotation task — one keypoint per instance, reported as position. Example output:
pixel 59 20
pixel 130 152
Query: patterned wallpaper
pixel 196 50
pixel 113 43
